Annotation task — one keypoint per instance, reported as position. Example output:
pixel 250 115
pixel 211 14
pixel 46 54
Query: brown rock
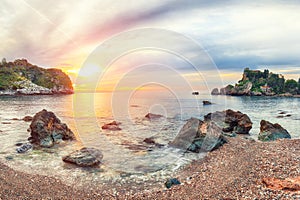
pixel 231 120
pixel 153 116
pixel 112 126
pixel 47 129
pixel 288 184
pixel 270 132
pixel 27 118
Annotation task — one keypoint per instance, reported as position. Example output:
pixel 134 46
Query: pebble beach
pixel 234 171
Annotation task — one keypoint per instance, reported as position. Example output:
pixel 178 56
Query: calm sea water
pixel 124 151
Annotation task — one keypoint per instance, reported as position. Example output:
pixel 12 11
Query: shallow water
pixel 126 157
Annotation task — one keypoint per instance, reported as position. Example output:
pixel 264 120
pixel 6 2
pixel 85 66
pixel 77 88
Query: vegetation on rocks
pixel 257 83
pixel 11 73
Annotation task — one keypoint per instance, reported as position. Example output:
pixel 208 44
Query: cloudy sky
pixel 234 34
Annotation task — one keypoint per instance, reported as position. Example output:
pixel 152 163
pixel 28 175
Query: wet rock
pixel 15 119
pixel 6 122
pixel 112 126
pixel 288 184
pixel 149 141
pixel 197 135
pixel 215 91
pixel 170 182
pixel 9 157
pixel 153 116
pixel 270 132
pixel 186 135
pixel 282 113
pixel 47 129
pixel 85 157
pixel 231 121
pixel 206 103
pixel 24 148
pixel 27 118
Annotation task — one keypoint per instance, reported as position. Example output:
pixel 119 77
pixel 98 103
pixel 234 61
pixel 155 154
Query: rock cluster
pixel 197 135
pixel 47 129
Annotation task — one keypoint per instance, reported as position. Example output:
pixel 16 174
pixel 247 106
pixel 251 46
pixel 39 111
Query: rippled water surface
pixel 125 154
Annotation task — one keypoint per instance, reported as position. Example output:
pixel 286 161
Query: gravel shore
pixel 234 171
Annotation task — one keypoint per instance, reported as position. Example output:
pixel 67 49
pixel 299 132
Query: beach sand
pixel 234 171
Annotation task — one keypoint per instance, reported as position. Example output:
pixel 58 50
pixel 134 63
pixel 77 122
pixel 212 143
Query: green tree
pixel 291 86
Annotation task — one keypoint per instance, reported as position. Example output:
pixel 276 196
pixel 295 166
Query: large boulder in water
pixel 47 129
pixel 231 121
pixel 270 132
pixel 84 157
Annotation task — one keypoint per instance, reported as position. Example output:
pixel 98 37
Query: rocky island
pixel 22 78
pixel 261 83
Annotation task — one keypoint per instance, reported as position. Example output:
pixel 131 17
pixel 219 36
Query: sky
pixel 234 34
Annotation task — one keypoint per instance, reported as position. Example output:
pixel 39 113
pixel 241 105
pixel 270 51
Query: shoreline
pixel 233 171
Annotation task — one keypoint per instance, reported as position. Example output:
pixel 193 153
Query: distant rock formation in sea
pixel 261 83
pixel 21 77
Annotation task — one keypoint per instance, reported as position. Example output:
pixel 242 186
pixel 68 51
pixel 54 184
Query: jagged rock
pixel 209 137
pixel 85 157
pixel 112 126
pixel 270 132
pixel 226 90
pixel 27 118
pixel 47 129
pixel 206 103
pixel 197 135
pixel 24 148
pixel 215 91
pixel 242 90
pixel 231 121
pixel 186 135
pixel 153 116
pixel 287 184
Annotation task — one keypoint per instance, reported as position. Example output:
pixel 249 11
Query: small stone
pixel 206 103
pixel 27 118
pixel 24 148
pixel 170 182
pixel 153 116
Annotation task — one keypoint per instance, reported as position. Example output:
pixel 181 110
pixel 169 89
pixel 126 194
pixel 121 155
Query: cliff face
pixel 21 77
pixel 257 83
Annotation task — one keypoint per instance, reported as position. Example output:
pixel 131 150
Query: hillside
pixel 21 77
pixel 258 83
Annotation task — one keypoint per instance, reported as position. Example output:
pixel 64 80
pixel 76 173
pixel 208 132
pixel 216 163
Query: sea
pixel 126 157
